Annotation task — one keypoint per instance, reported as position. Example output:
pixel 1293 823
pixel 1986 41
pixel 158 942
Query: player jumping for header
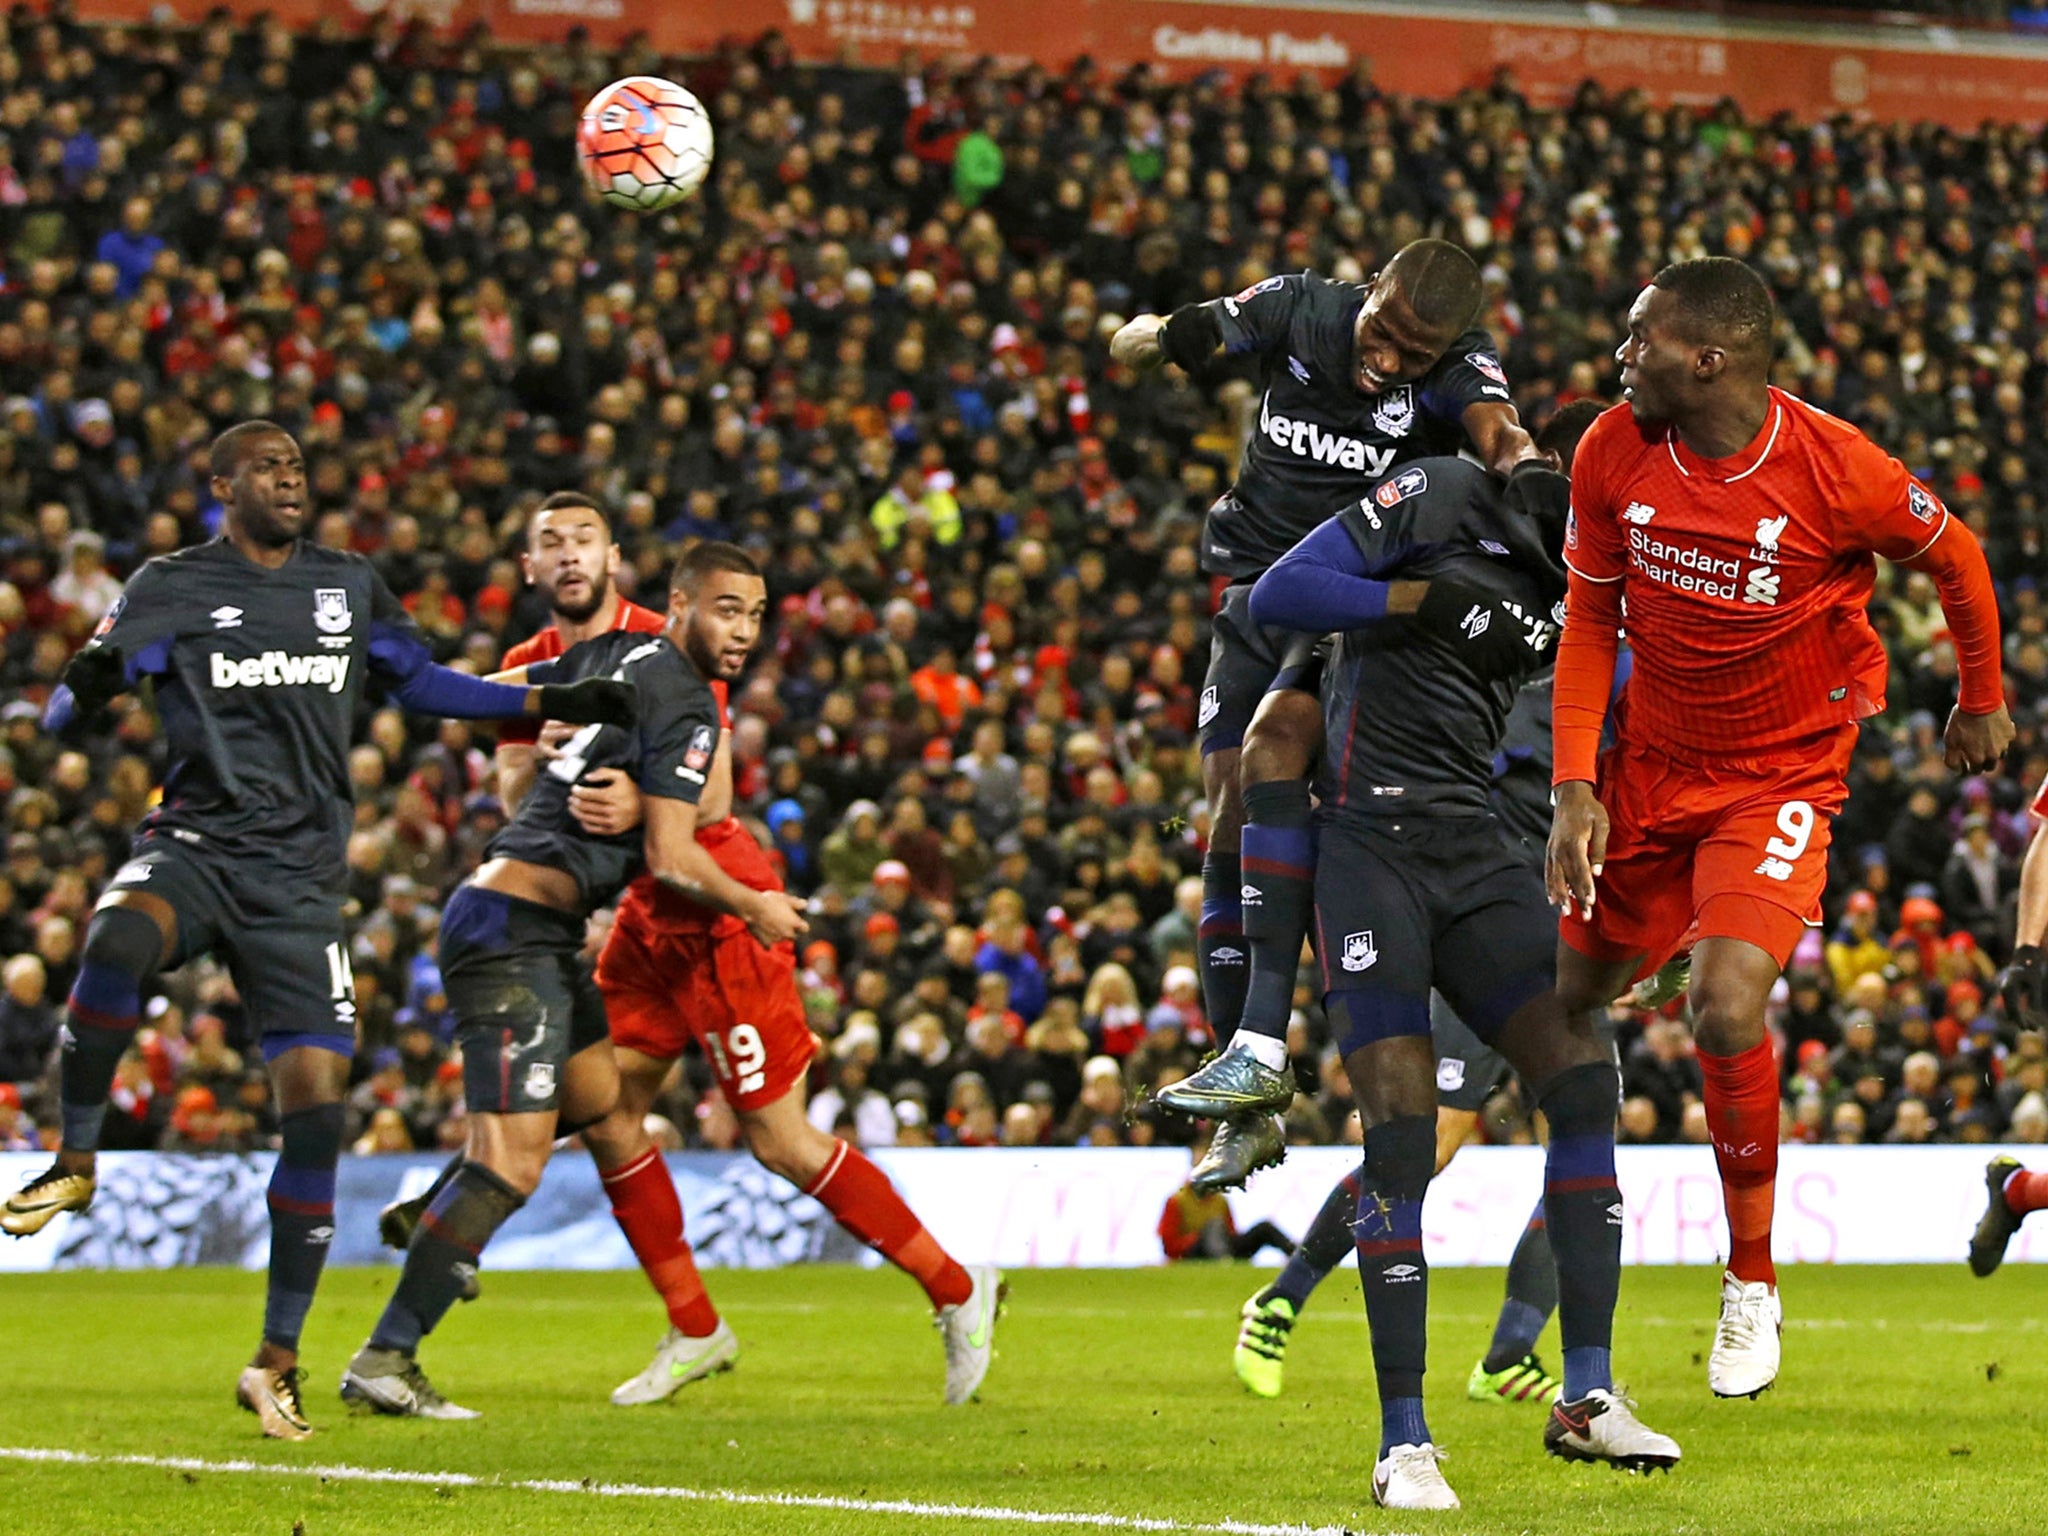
pixel 1356 380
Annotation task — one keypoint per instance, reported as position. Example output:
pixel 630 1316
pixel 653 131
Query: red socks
pixel 650 1214
pixel 2026 1192
pixel 1742 1118
pixel 862 1200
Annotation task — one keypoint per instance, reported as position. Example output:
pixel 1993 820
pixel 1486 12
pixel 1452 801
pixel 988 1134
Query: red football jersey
pixel 547 645
pixel 1743 581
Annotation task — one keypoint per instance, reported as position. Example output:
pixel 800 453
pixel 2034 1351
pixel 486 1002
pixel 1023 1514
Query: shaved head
pixel 1721 303
pixel 1440 281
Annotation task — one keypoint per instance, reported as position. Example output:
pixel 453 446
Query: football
pixel 644 143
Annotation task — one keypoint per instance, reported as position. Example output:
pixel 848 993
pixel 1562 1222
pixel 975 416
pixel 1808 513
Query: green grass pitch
pixel 1911 1400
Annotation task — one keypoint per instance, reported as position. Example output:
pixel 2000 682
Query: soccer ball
pixel 644 143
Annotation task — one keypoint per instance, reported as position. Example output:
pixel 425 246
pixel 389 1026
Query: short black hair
pixel 705 557
pixel 1440 281
pixel 224 457
pixel 559 500
pixel 1721 303
pixel 1561 434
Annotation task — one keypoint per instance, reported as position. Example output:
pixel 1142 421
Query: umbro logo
pixel 1402 1273
pixel 1475 622
pixel 1226 956
pixel 1492 548
pixel 226 618
pixel 1249 895
pixel 1298 368
pixel 1638 512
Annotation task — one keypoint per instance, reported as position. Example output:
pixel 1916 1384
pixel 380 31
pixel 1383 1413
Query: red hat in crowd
pixel 882 922
pixel 892 870
pixel 1918 910
pixel 1862 901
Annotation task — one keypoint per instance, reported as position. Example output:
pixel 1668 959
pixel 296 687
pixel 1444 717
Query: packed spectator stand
pixel 875 353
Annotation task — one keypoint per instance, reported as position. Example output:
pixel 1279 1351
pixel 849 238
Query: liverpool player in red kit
pixel 571 560
pixel 1729 527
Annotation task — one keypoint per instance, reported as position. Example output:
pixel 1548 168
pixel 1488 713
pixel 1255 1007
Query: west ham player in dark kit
pixel 260 647
pixel 1445 600
pixel 1356 379
pixel 536 1058
pixel 1468 1074
pixel 1739 524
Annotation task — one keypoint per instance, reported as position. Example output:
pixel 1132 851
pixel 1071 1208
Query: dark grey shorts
pixel 279 935
pixel 523 996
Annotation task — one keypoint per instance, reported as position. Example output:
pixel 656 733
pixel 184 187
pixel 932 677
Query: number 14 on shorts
pixel 1795 831
pixel 739 1059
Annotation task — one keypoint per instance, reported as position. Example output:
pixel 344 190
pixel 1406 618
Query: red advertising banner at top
pixel 1416 49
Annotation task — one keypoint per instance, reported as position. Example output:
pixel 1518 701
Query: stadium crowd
pixel 874 352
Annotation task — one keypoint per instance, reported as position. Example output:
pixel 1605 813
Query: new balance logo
pixel 226 618
pixel 1775 868
pixel 1763 586
pixel 1638 512
pixel 276 669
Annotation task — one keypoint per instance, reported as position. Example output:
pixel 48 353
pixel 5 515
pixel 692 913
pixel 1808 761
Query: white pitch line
pixel 984 1512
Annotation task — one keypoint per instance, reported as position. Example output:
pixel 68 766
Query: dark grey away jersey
pixel 1410 728
pixel 258 674
pixel 1318 442
pixel 668 753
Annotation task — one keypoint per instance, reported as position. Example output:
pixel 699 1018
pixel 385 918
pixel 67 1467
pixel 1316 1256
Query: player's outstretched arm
pixel 1325 583
pixel 432 689
pixel 680 862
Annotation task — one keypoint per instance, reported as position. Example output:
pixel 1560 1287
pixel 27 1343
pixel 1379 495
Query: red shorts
pixel 664 987
pixel 1736 848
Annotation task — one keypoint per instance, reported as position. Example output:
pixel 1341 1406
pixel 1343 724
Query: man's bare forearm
pixel 692 872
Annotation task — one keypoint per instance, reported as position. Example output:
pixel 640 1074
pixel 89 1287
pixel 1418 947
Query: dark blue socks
pixel 1278 861
pixel 301 1218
